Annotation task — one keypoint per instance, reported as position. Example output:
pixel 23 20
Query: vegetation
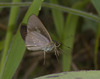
pixel 74 23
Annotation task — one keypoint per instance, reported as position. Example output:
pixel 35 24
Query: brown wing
pixel 35 41
pixel 34 24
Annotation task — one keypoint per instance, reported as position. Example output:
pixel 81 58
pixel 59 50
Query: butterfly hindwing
pixel 36 41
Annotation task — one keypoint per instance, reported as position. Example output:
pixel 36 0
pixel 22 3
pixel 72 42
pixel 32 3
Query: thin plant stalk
pixel 11 24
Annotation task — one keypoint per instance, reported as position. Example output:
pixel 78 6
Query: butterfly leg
pixel 44 57
pixel 56 51
pixel 56 54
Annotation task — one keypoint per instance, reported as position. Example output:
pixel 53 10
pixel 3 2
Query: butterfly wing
pixel 36 41
pixel 34 24
pixel 35 34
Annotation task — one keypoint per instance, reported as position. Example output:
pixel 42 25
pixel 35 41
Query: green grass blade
pixel 1 44
pixel 73 11
pixel 14 57
pixel 18 47
pixel 33 10
pixel 58 7
pixel 69 34
pixel 73 75
pixel 97 6
pixel 96 46
pixel 9 34
pixel 58 19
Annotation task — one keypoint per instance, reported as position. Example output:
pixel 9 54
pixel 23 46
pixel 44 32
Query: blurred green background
pixel 77 32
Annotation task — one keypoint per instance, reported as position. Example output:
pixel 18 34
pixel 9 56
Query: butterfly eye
pixel 56 43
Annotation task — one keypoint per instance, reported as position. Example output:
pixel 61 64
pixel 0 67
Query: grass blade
pixel 97 6
pixel 18 48
pixel 69 34
pixel 9 34
pixel 58 19
pixel 73 75
pixel 58 7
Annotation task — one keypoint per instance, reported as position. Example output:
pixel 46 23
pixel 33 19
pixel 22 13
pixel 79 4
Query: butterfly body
pixel 49 47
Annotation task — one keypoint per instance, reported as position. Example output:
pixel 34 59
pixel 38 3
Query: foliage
pixel 66 26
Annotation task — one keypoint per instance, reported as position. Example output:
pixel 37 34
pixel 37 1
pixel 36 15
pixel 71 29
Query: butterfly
pixel 36 36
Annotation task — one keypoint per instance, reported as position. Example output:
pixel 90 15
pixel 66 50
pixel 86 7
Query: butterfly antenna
pixel 44 57
pixel 63 52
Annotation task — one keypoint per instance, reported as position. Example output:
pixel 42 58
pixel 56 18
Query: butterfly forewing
pixel 34 24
